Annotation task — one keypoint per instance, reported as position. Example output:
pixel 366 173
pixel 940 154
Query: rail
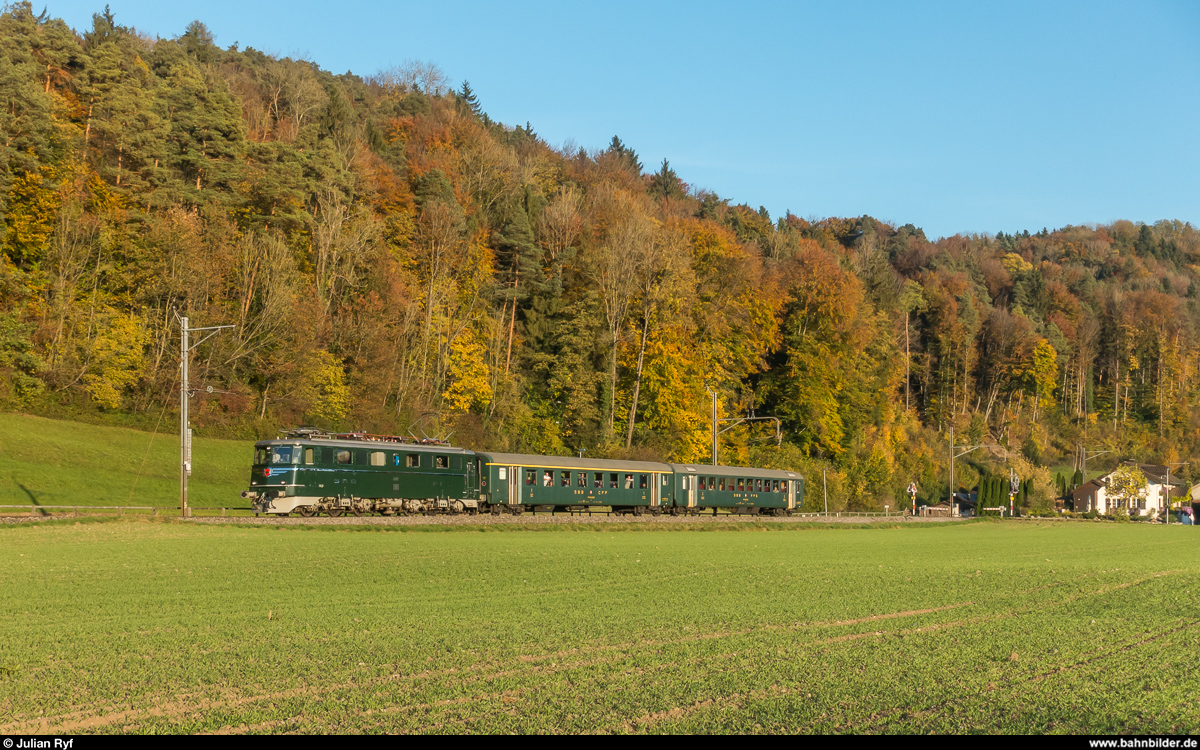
pixel 35 511
pixel 73 510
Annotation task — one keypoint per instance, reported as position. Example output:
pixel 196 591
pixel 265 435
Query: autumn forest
pixel 397 262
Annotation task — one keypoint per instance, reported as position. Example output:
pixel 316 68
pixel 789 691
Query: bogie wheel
pixel 358 512
pixel 638 510
pixel 495 510
pixel 334 512
pixel 305 510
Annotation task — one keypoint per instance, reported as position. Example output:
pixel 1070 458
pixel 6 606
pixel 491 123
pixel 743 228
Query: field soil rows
pixel 163 626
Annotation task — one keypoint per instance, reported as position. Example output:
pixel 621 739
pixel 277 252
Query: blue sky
pixel 956 117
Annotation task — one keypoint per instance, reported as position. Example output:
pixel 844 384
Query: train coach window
pixel 343 457
pixel 721 486
pixel 547 478
pixel 629 481
pixel 642 483
pixel 775 485
pixel 530 475
pixel 441 462
pixel 412 460
pixel 565 479
pixel 598 479
pixel 612 481
pixel 581 479
pixel 758 485
pixel 741 485
pixel 378 458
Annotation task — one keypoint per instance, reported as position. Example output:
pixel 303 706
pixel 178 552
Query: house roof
pixel 1087 488
pixel 1156 473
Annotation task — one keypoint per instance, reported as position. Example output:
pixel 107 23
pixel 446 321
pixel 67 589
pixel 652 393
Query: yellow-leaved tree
pixel 326 391
pixel 116 357
pixel 469 383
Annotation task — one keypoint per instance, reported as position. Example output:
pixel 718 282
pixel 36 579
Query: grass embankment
pixel 140 626
pixel 49 462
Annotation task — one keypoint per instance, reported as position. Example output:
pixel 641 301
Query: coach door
pixel 691 489
pixel 791 485
pixel 655 490
pixel 514 486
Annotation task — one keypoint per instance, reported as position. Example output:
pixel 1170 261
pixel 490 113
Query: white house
pixel 1093 495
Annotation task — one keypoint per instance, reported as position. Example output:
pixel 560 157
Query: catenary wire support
pixel 185 432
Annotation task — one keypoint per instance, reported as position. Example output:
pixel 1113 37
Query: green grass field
pixel 167 626
pixel 51 462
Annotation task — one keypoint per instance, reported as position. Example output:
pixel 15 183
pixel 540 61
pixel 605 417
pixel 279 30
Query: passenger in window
pixel 566 479
pixel 581 479
pixel 629 481
pixel 547 478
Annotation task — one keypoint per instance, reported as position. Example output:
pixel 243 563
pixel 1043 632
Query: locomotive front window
pixel 260 456
pixel 282 454
pixel 343 457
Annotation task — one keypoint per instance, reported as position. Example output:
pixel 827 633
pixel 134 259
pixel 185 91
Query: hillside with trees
pixel 396 261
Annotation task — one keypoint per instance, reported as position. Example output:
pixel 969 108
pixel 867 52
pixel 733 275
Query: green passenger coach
pixel 516 483
pixel 737 490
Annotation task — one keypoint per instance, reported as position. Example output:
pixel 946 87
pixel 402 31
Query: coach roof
pixel 571 462
pixel 732 471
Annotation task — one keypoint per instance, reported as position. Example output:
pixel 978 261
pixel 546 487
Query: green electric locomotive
pixel 310 472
